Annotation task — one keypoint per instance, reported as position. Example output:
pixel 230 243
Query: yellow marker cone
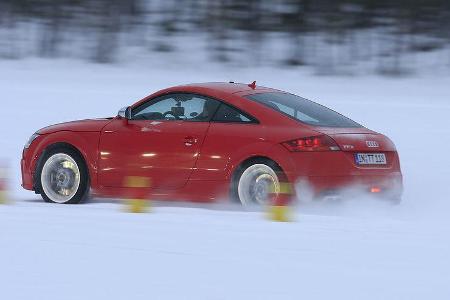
pixel 279 213
pixel 138 205
pixel 279 209
pixel 3 198
pixel 137 182
pixel 138 202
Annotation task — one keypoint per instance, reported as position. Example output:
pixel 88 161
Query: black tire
pixel 234 194
pixel 82 192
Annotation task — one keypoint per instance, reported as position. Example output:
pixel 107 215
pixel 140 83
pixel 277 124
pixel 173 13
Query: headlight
pixel 32 138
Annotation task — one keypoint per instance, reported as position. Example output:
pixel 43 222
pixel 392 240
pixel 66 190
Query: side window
pixel 187 107
pixel 226 113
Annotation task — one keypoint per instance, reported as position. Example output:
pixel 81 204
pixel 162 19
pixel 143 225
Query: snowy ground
pixel 358 250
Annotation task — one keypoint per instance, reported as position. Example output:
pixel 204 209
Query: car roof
pixel 228 87
pixel 212 89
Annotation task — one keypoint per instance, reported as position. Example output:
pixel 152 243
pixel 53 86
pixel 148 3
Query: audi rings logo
pixel 372 144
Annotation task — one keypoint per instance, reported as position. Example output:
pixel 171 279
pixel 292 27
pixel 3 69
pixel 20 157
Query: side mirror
pixel 125 113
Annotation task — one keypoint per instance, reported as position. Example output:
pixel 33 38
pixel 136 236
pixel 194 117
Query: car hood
pixel 91 125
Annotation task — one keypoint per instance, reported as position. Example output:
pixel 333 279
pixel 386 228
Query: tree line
pixel 324 34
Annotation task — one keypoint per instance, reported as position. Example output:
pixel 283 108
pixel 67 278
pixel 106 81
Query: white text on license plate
pixel 370 158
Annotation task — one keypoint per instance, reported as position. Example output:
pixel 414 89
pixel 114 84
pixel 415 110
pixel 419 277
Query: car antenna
pixel 253 85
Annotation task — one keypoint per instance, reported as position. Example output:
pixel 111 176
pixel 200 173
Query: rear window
pixel 303 110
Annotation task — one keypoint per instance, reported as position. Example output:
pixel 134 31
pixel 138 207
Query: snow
pixel 357 250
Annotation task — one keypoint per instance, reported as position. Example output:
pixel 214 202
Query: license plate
pixel 370 158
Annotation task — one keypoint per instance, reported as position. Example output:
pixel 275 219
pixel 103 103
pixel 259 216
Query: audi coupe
pixel 210 141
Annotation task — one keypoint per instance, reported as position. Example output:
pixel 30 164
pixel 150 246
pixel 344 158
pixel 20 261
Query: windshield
pixel 303 110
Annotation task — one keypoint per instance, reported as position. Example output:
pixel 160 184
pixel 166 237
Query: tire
pixel 256 182
pixel 62 176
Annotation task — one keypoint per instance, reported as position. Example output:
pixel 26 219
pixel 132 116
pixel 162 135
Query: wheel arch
pixel 84 143
pixel 254 159
pixel 51 147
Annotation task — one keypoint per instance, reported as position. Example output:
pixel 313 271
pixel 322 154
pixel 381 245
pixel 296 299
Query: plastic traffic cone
pixel 138 205
pixel 3 186
pixel 279 209
pixel 136 199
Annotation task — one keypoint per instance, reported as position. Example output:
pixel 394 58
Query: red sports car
pixel 209 141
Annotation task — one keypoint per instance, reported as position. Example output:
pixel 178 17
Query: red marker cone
pixel 3 185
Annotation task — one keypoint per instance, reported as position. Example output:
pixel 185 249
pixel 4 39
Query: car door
pixel 231 135
pixel 161 141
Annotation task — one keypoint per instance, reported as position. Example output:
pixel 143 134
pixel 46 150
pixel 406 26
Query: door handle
pixel 189 141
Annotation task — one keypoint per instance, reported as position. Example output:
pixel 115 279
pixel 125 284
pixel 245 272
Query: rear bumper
pixel 330 172
pixel 386 186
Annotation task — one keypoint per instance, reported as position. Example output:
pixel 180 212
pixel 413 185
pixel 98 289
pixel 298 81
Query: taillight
pixel 375 189
pixel 312 143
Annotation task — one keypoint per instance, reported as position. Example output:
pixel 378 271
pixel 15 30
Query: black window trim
pixel 252 119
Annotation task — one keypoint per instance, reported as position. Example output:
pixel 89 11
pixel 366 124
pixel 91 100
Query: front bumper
pixel 27 175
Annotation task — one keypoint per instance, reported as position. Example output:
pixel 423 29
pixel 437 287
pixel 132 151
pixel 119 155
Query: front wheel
pixel 257 184
pixel 62 177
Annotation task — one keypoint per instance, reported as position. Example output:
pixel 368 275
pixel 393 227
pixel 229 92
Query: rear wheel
pixel 62 177
pixel 256 183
